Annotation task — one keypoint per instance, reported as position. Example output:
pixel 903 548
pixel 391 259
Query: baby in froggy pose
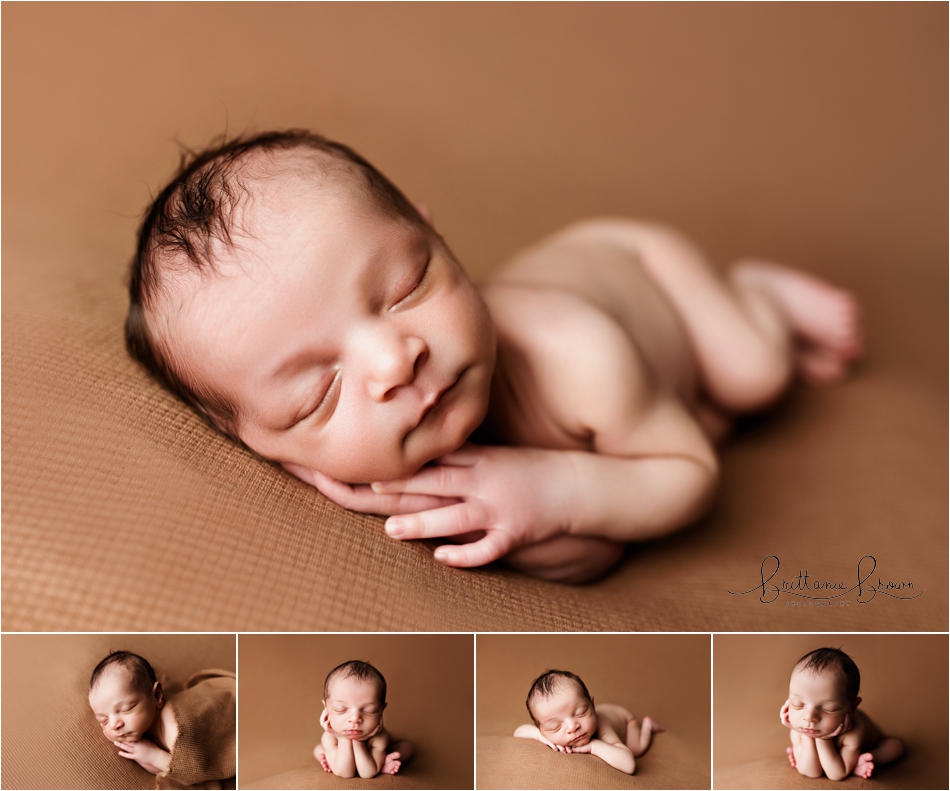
pixel 354 741
pixel 830 736
pixel 293 296
pixel 129 704
pixel 566 719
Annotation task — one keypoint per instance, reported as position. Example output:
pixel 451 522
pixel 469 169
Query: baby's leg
pixel 888 750
pixel 320 754
pixel 401 752
pixel 791 757
pixel 639 735
pixel 746 332
pixel 569 559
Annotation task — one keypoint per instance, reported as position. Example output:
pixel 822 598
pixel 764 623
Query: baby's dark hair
pixel 143 676
pixel 195 212
pixel 548 683
pixel 364 671
pixel 836 660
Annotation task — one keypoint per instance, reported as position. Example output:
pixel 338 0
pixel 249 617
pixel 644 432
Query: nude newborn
pixel 566 719
pixel 129 705
pixel 289 293
pixel 354 742
pixel 830 736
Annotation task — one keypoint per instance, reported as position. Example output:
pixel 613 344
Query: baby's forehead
pixel 362 686
pixel 829 674
pixel 565 690
pixel 112 680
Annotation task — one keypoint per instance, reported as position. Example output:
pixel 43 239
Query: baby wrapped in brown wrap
pixel 187 740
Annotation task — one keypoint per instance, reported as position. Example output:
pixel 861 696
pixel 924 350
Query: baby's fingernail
pixel 441 555
pixel 395 528
pixel 378 487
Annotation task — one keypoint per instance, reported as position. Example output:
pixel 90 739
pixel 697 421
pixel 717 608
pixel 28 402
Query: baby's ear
pixel 159 695
pixel 854 705
pixel 426 213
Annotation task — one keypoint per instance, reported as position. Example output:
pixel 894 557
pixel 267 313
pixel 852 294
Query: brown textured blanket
pixel 204 752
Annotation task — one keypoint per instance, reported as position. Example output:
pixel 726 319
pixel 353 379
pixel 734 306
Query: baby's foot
pixel 791 757
pixel 825 320
pixel 391 764
pixel 653 725
pixel 865 765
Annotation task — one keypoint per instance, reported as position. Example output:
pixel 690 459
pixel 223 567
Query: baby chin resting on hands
pixel 294 297
pixel 566 719
pixel 129 704
pixel 354 741
pixel 830 736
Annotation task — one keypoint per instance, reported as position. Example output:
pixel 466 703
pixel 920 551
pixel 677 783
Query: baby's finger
pixel 452 520
pixel 442 479
pixel 493 546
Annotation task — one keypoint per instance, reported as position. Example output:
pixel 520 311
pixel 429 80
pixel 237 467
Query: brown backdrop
pixel 430 681
pixel 50 738
pixel 903 689
pixel 665 676
pixel 811 133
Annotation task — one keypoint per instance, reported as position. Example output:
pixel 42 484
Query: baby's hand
pixel 514 496
pixel 783 715
pixel 844 727
pixel 325 724
pixel 583 748
pixel 145 753
pixel 361 497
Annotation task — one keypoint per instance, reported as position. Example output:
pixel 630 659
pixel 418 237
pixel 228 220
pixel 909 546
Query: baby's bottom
pixel 640 734
pixel 748 332
pixel 569 559
pixel 636 734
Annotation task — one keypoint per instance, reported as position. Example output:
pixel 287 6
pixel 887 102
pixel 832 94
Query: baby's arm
pixel 532 732
pixel 610 749
pixel 370 755
pixel 146 754
pixel 339 754
pixel 838 765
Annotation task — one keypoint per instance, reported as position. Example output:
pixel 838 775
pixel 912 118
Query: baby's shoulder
pixel 563 354
pixel 552 326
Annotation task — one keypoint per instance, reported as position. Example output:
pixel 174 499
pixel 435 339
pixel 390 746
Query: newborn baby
pixel 830 736
pixel 354 741
pixel 188 738
pixel 129 704
pixel 566 720
pixel 289 293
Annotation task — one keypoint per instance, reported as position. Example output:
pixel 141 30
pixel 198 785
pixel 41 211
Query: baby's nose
pixel 392 361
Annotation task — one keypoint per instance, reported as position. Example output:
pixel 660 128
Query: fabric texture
pixel 206 714
pixel 702 117
pixel 46 681
pixel 903 689
pixel 663 676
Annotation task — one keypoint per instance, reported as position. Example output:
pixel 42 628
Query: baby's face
pixel 817 702
pixel 351 343
pixel 566 717
pixel 125 712
pixel 354 707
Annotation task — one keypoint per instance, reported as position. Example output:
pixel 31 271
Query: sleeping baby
pixel 566 719
pixel 293 296
pixel 830 736
pixel 187 738
pixel 354 741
